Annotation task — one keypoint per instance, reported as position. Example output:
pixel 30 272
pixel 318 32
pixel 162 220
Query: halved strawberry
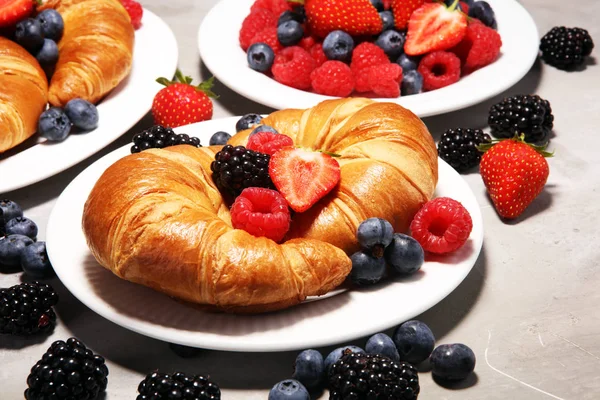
pixel 403 9
pixel 434 27
pixel 12 11
pixel 303 177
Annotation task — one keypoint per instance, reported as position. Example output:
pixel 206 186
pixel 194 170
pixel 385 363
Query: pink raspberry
pixel 318 54
pixel 384 80
pixel 268 36
pixel 293 66
pixel 439 69
pixel 277 7
pixel 366 55
pixel 254 23
pixel 333 78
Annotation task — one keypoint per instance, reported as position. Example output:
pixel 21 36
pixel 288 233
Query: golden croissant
pixel 95 52
pixel 156 218
pixel 23 94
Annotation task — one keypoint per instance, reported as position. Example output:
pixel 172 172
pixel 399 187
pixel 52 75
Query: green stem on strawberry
pixel 205 86
pixel 517 138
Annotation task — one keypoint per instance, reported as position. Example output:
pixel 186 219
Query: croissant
pixel 95 52
pixel 23 94
pixel 156 218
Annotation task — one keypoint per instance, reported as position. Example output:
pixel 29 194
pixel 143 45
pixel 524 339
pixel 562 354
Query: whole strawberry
pixel 514 173
pixel 181 103
pixel 355 17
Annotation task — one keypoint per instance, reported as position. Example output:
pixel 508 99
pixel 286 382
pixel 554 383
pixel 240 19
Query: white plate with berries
pixel 38 158
pixel 476 61
pixel 318 322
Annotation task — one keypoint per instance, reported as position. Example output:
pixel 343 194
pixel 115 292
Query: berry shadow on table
pixel 469 382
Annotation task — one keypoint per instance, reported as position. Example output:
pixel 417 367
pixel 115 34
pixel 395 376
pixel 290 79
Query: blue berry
pixel 452 362
pixel 392 43
pixel 483 12
pixel 384 345
pixel 290 389
pixel 8 210
pixel 336 354
pixel 414 341
pixel 338 45
pixel 469 2
pixel 11 248
pixel 289 33
pixel 378 4
pixel 247 122
pixel 21 226
pixel 412 83
pixel 35 261
pixel 408 63
pixel 28 33
pixel 387 17
pixel 219 139
pixel 263 128
pixel 366 269
pixel 184 351
pixel 82 114
pixel 260 57
pixel 54 125
pixel 405 254
pixel 309 368
pixel 291 16
pixel 374 235
pixel 52 24
pixel 47 56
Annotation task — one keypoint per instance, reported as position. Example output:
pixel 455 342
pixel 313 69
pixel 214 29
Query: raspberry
pixel 307 43
pixel 318 54
pixel 384 80
pixel 254 23
pixel 261 212
pixel 479 48
pixel 442 226
pixel 366 55
pixel 135 11
pixel 439 69
pixel 293 66
pixel 268 36
pixel 268 142
pixel 333 78
pixel 277 7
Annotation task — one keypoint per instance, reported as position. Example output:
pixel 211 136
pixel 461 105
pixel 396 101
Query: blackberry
pixel 26 309
pixel 159 137
pixel 527 114
pixel 458 147
pixel 237 168
pixel 565 48
pixel 360 377
pixel 68 370
pixel 158 386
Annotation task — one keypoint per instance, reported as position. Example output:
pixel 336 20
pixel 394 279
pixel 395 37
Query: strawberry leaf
pixel 164 81
pixel 207 86
pixel 517 138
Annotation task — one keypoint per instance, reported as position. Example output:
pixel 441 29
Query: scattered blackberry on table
pixel 362 377
pixel 458 147
pixel 159 137
pixel 527 114
pixel 565 48
pixel 26 309
pixel 159 386
pixel 237 168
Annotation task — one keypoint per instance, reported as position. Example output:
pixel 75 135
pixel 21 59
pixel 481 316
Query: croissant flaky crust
pixel 23 94
pixel 156 218
pixel 95 52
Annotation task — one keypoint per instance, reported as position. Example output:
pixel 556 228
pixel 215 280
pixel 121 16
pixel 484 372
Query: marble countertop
pixel 529 308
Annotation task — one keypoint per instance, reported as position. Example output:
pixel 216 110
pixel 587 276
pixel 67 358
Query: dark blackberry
pixel 565 48
pixel 458 147
pixel 527 114
pixel 26 309
pixel 237 168
pixel 159 137
pixel 68 370
pixel 364 377
pixel 158 386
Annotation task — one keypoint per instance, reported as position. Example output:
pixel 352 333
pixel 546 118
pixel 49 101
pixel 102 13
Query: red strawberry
pixel 514 174
pixel 12 11
pixel 433 27
pixel 180 103
pixel 355 17
pixel 303 177
pixel 403 9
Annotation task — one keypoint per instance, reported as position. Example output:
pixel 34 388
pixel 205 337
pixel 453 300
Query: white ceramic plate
pixel 155 55
pixel 313 324
pixel 221 53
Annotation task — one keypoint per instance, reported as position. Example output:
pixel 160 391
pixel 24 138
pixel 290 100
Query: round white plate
pixel 155 55
pixel 313 324
pixel 221 53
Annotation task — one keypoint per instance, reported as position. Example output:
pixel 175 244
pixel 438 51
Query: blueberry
pixel 366 269
pixel 374 235
pixel 82 114
pixel 412 83
pixel 8 210
pixel 378 4
pixel 309 368
pixel 291 16
pixel 21 226
pixel 414 341
pixel 452 362
pixel 290 389
pixel 338 353
pixel 54 125
pixel 52 24
pixel 247 122
pixel 408 63
pixel 48 54
pixel 469 2
pixel 392 43
pixel 290 33
pixel 11 248
pixel 184 351
pixel 384 345
pixel 387 17
pixel 404 254
pixel 35 262
pixel 338 45
pixel 28 33
pixel 483 12
pixel 260 57
pixel 263 128
pixel 219 139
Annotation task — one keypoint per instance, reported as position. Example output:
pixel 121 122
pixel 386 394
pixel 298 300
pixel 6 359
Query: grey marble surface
pixel 528 309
